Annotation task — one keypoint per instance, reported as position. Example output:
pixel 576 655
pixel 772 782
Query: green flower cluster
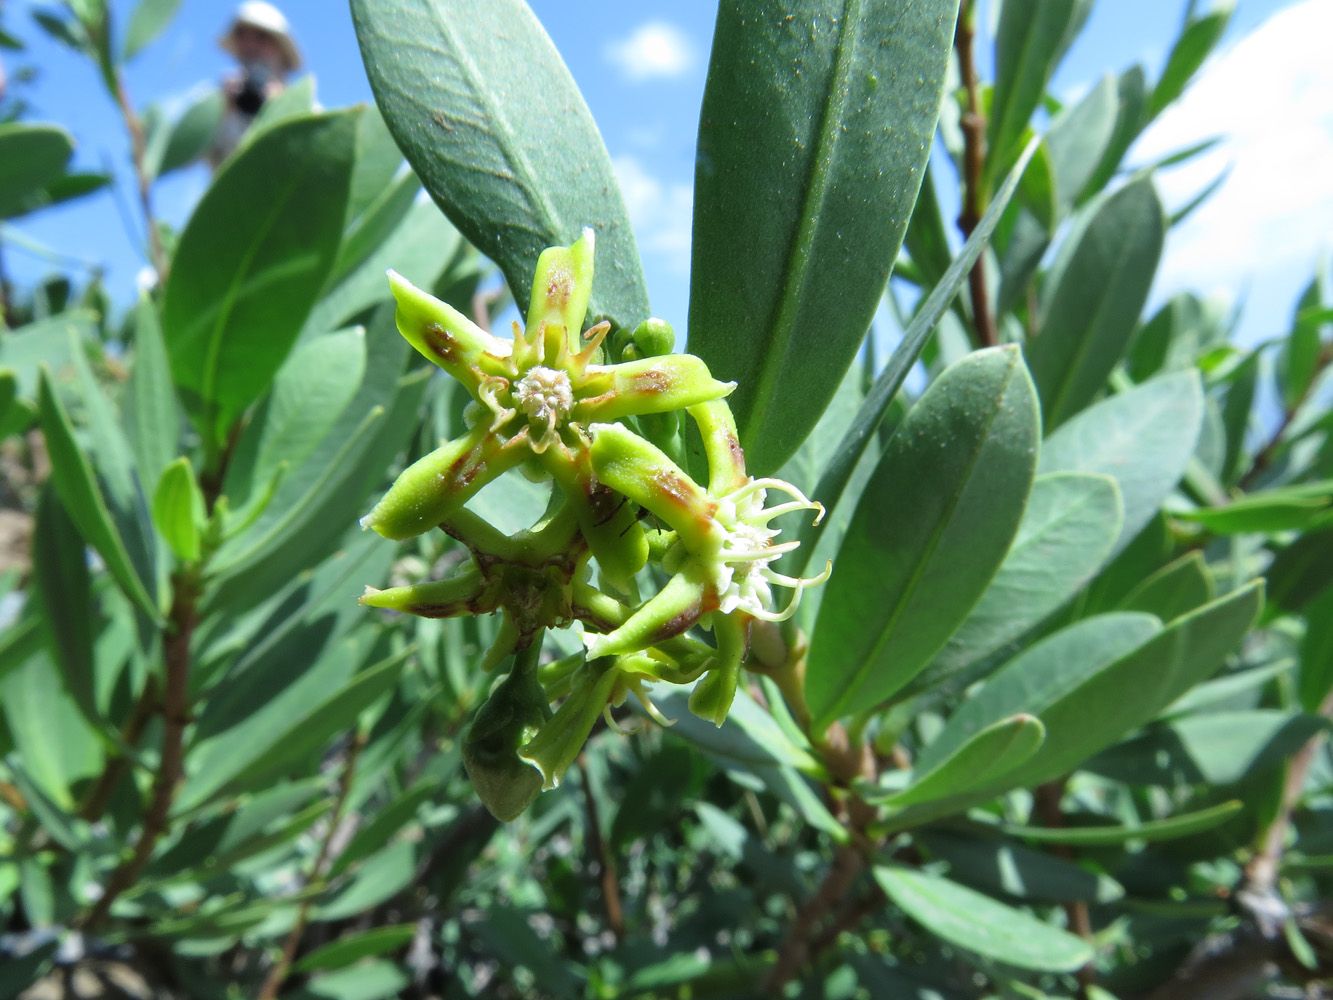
pixel 545 403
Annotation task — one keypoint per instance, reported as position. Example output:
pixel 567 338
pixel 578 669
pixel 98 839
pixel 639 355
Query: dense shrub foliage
pixel 1051 726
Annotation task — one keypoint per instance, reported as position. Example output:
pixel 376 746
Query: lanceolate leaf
pixel 978 923
pixel 984 759
pixel 1187 55
pixel 243 279
pixel 838 473
pixel 816 123
pixel 490 119
pixel 1099 293
pixel 73 479
pixel 1134 689
pixel 60 565
pixel 31 156
pixel 1034 680
pixel 1032 36
pixel 932 528
pixel 1068 528
pixel 1142 438
pixel 1182 825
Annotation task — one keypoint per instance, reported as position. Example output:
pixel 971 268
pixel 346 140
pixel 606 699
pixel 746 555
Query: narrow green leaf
pixel 1071 521
pixel 1174 590
pixel 1292 508
pixel 73 479
pixel 978 764
pixel 1039 676
pixel 493 124
pixel 1143 439
pixel 178 509
pixel 1123 695
pixel 929 533
pixel 1001 866
pixel 31 156
pixel 1316 672
pixel 977 923
pixel 1078 139
pixel 816 124
pixel 1172 828
pixel 151 419
pixel 113 462
pixel 310 392
pixel 344 951
pixel 187 139
pixel 1131 116
pixel 838 473
pixel 1196 41
pixel 242 282
pixel 150 19
pixel 60 572
pixel 1088 318
pixel 1214 748
pixel 1032 37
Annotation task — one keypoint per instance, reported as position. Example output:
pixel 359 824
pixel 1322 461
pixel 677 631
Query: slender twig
pixel 99 795
pixel 1047 798
pixel 1264 458
pixel 847 762
pixel 278 974
pixel 1261 872
pixel 615 914
pixel 138 155
pixel 175 713
pixel 974 161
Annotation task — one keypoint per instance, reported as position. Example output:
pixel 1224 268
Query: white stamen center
pixel 545 394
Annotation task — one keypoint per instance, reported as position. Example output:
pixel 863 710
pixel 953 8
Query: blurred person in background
pixel 260 38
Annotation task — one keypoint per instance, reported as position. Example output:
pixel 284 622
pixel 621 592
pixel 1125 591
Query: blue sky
pixel 641 66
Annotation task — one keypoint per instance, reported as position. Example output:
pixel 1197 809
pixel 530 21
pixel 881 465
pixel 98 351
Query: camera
pixel 254 89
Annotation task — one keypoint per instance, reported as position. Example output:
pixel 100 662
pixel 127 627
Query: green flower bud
pixel 435 486
pixel 552 750
pixel 512 716
pixel 653 385
pixel 654 338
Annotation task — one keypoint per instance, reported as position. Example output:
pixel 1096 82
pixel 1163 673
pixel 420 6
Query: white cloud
pixel 660 211
pixel 1271 97
pixel 655 49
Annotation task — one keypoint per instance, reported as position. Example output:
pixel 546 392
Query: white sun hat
pixel 268 19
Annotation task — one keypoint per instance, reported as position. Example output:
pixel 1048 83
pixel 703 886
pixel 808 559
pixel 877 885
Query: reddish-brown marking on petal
pixel 560 288
pixel 651 382
pixel 676 625
pixel 441 341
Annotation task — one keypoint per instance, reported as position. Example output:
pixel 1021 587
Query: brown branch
pixel 278 974
pixel 138 156
pixel 615 914
pixel 1047 798
pixel 99 795
pixel 1264 458
pixel 847 763
pixel 974 162
pixel 175 713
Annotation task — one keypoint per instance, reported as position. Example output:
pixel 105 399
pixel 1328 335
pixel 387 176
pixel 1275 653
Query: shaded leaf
pixel 1172 828
pixel 73 479
pixel 1070 523
pixel 980 924
pixel 1091 312
pixel 31 156
pixel 978 764
pixel 1143 439
pixel 242 282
